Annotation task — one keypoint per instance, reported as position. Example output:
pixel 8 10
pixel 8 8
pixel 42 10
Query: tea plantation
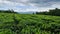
pixel 29 24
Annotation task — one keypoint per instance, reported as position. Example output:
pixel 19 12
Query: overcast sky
pixel 29 5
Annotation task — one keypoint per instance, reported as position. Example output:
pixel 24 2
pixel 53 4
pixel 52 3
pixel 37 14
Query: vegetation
pixel 54 12
pixel 11 23
pixel 7 11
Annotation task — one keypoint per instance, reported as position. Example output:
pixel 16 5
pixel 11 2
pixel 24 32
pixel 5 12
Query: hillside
pixel 29 24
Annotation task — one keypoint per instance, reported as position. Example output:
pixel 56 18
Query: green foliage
pixel 53 12
pixel 7 11
pixel 29 24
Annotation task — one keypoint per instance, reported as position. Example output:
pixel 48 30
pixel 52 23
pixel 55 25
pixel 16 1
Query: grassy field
pixel 29 24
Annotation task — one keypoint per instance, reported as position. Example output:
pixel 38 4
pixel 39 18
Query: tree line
pixel 54 12
pixel 7 11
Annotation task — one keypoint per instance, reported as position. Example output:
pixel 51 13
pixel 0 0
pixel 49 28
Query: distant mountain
pixel 30 12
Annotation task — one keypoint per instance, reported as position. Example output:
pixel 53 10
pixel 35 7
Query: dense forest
pixel 54 12
pixel 7 11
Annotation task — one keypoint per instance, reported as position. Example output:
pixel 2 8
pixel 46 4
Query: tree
pixel 54 12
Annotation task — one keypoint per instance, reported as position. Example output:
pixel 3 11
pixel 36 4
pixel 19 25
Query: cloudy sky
pixel 29 5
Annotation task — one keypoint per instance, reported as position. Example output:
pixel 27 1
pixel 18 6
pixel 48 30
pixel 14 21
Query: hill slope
pixel 29 24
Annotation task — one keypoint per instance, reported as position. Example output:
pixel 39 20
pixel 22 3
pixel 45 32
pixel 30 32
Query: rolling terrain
pixel 29 24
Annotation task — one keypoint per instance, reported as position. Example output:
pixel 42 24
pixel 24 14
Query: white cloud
pixel 29 5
